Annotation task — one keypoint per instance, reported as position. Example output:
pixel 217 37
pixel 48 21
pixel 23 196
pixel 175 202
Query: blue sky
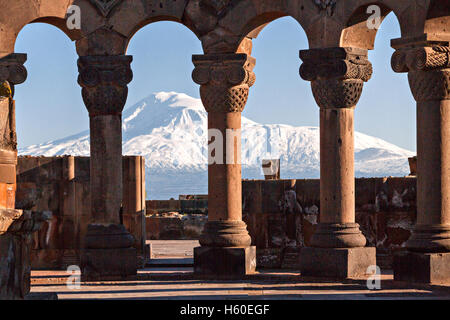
pixel 49 104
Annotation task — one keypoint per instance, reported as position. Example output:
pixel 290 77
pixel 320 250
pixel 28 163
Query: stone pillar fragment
pixel 109 252
pixel 428 250
pixel 16 228
pixel 12 72
pixel 226 249
pixel 337 78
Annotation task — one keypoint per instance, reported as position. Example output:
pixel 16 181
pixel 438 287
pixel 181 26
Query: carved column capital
pixel 13 71
pixel 224 80
pixel 428 71
pixel 104 80
pixel 337 75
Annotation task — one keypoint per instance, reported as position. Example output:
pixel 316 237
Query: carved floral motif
pixel 104 80
pixel 337 75
pixel 105 6
pixel 428 71
pixel 327 5
pixel 225 80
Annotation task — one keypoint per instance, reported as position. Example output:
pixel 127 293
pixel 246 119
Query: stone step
pixel 169 263
pixel 291 260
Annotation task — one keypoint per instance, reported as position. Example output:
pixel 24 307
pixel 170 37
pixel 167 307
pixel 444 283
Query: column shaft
pixel 106 168
pixel 225 179
pixel 337 196
pixel 433 165
pixel 427 259
pixel 337 78
pixel 104 80
pixel 226 250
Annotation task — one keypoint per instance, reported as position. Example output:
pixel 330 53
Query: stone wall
pixel 176 219
pixel 175 226
pixel 282 214
pixel 62 185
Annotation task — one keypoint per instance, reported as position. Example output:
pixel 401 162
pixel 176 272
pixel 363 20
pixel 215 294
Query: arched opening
pixel 49 103
pixel 385 111
pixel 280 121
pixel 362 26
pixel 49 108
pixel 282 115
pixel 164 109
pixel 164 121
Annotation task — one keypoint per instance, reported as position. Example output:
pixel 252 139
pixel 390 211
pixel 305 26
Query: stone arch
pixel 146 23
pixel 438 17
pixel 356 32
pixel 245 19
pixel 256 25
pixel 24 12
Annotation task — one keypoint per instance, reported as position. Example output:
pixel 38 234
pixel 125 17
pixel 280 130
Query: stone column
pixel 104 80
pixel 428 256
pixel 16 229
pixel 224 81
pixel 337 78
pixel 12 72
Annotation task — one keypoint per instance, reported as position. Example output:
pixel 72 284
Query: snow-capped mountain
pixel 170 130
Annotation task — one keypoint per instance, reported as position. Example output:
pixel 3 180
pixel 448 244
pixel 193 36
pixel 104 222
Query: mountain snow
pixel 170 130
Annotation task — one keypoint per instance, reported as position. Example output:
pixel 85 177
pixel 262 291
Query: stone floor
pixel 162 282
pixel 179 283
pixel 173 248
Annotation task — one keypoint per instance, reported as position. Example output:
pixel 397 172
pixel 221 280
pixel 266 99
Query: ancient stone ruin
pixel 337 65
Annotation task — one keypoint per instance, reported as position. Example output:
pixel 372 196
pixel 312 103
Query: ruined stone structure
pixel 337 66
pixel 62 185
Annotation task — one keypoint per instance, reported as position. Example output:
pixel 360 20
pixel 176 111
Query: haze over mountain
pixel 170 130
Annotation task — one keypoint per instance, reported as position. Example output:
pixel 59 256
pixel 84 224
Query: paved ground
pixel 266 286
pixel 173 248
pixel 160 282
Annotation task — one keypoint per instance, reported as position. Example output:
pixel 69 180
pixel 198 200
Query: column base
pixel 108 254
pixel 428 268
pixel 339 263
pixel 430 239
pixel 108 264
pixel 224 263
pixel 333 235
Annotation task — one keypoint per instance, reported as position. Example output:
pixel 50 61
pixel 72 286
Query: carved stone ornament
pixel 428 71
pixel 337 75
pixel 326 5
pixel 105 6
pixel 104 80
pixel 225 80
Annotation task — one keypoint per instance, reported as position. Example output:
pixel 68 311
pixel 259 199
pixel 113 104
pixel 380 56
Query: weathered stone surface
pixel 185 206
pixel 336 262
pixel 224 263
pixel 175 226
pixel 284 214
pixel 16 228
pixel 108 264
pixel 431 268
pixel 338 33
pixel 62 185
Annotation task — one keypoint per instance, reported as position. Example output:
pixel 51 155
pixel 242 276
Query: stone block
pixel 339 263
pixel 430 268
pixel 108 264
pixel 269 258
pixel 224 263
